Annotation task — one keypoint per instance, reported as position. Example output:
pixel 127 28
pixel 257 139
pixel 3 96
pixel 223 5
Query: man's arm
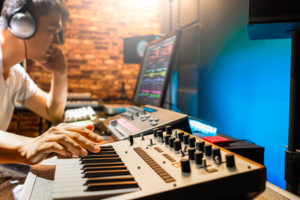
pixel 51 105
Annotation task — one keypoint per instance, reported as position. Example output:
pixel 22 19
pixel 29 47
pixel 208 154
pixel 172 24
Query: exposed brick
pixel 94 49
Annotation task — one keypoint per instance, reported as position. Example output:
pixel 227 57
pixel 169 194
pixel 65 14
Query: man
pixel 16 85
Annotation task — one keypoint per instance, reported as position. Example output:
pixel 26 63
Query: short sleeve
pixel 26 86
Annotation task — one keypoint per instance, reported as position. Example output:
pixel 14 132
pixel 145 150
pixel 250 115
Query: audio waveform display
pixel 163 73
pixel 154 72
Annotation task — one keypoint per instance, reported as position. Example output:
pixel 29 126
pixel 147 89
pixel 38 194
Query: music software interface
pixel 154 71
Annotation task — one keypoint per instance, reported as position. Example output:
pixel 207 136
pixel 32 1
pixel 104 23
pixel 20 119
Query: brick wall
pixel 94 46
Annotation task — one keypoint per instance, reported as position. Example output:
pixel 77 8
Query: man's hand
pixel 56 62
pixel 64 140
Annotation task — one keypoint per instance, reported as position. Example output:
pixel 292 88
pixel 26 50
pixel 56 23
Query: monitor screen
pixel 152 80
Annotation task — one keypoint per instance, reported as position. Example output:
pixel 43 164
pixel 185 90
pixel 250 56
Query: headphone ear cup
pixel 22 25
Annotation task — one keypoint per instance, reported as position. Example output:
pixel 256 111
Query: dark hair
pixel 37 8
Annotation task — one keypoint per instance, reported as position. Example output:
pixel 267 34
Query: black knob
pixel 207 149
pixel 171 142
pixel 160 134
pixel 180 135
pixel 167 139
pixel 186 139
pixel 131 140
pixel 198 157
pixel 217 154
pixel 169 130
pixel 177 145
pixel 185 165
pixel 200 145
pixel 191 152
pixel 155 132
pixel 230 160
pixel 192 141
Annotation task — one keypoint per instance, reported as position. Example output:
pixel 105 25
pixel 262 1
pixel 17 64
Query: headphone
pixel 21 22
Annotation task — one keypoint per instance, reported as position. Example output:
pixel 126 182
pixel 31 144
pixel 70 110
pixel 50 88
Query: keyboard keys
pixel 111 186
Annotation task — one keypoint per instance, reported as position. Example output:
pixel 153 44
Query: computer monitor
pixel 156 69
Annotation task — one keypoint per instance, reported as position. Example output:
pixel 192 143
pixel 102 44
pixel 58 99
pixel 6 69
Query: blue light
pixel 205 129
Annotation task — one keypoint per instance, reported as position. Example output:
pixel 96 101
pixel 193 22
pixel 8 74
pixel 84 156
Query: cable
pixel 24 87
pixel 233 141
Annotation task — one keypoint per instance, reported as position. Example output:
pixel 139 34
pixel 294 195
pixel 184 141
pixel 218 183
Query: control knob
pixel 186 139
pixel 191 152
pixel 167 139
pixel 169 130
pixel 217 155
pixel 171 142
pixel 200 145
pixel 230 160
pixel 180 135
pixel 177 145
pixel 192 141
pixel 207 149
pixel 198 157
pixel 185 165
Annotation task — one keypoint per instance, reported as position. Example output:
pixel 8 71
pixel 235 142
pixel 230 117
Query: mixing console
pixel 136 121
pixel 169 164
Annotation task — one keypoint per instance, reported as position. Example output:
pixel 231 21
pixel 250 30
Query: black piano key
pixel 111 185
pixel 100 156
pixel 100 160
pixel 103 153
pixel 104 173
pixel 103 168
pixel 107 180
pixel 102 164
pixel 108 146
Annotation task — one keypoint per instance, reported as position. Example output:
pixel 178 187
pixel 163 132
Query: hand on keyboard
pixel 64 140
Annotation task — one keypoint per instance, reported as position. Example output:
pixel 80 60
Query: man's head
pixel 49 15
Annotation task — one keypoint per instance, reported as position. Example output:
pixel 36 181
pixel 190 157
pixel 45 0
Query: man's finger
pixel 68 143
pixel 84 132
pixel 50 147
pixel 90 127
pixel 83 141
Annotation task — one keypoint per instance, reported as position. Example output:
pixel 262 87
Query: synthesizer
pixel 138 120
pixel 169 164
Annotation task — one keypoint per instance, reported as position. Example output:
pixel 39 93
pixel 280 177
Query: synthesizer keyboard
pixel 138 120
pixel 164 165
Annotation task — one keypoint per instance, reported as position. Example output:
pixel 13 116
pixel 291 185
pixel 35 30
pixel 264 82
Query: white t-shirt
pixel 17 86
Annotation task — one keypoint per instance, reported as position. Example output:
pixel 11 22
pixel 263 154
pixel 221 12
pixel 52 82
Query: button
pixel 154 123
pixel 143 116
pixel 147 116
pixel 143 119
pixel 150 119
pixel 156 119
